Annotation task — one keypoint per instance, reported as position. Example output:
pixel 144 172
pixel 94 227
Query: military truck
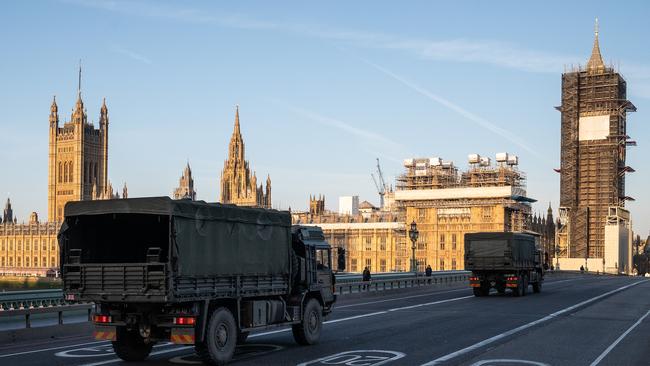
pixel 504 260
pixel 194 273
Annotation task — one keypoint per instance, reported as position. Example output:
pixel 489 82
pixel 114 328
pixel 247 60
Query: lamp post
pixel 413 235
pixel 557 256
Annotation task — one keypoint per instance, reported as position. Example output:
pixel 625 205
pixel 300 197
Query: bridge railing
pixel 28 303
pixel 383 284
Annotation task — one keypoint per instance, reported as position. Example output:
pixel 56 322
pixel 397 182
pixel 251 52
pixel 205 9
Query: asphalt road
pixel 576 320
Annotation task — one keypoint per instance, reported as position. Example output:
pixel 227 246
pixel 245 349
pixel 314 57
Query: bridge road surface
pixel 576 320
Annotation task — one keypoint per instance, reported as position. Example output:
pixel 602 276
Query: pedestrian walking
pixel 366 278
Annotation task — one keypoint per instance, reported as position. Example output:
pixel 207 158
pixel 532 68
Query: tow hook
pixel 145 331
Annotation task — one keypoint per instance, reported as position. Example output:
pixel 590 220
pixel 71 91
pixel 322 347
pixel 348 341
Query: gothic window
pixel 3 245
pixel 442 241
pixel 44 263
pixel 18 261
pixel 11 245
pixel 52 262
pixel 369 263
pixel 60 172
pixel 44 246
pixel 65 172
pixel 19 246
pixel 453 264
pixel 35 261
pixel 11 261
pixel 453 243
pixel 70 171
pixel 442 264
pixel 26 261
pixel 382 265
pixel 27 245
pixel 3 261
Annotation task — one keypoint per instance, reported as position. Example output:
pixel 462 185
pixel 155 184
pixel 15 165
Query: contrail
pixel 458 109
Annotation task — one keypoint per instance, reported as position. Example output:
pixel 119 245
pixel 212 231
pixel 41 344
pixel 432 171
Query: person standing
pixel 428 271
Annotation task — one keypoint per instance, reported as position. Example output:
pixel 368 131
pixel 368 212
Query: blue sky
pixel 323 88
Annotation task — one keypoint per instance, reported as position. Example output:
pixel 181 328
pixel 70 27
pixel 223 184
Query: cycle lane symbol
pixel 357 358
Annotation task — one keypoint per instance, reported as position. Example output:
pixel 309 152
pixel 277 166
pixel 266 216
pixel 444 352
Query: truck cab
pixel 315 256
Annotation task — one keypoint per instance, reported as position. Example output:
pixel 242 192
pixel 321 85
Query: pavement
pixel 576 320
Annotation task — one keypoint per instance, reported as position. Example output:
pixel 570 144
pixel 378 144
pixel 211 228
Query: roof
pixel 186 208
pixel 366 204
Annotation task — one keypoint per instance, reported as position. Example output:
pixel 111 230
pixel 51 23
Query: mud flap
pixel 182 336
pixel 105 333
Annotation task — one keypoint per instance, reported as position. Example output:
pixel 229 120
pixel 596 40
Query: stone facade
pixel 78 159
pixel 185 188
pixel 445 203
pixel 77 170
pixel 28 249
pixel 238 185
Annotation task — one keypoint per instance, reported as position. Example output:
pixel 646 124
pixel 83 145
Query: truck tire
pixel 129 346
pixel 501 288
pixel 519 290
pixel 537 287
pixel 525 287
pixel 477 291
pixel 220 339
pixel 308 331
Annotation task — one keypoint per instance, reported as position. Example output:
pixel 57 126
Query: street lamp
pixel 413 235
pixel 557 256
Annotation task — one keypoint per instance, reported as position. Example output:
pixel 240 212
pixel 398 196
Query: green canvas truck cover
pixel 208 239
pixel 516 247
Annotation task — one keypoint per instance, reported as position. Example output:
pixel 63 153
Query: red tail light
pixel 103 319
pixel 184 320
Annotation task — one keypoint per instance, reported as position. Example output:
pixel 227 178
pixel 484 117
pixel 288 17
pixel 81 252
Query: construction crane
pixel 379 183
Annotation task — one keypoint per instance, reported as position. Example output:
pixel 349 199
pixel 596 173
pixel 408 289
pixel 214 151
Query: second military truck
pixel 503 260
pixel 193 273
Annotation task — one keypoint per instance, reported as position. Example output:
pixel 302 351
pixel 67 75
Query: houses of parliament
pixel 78 170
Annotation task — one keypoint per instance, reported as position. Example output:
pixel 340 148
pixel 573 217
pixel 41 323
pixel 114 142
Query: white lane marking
pixel 431 303
pixel 507 360
pixel 402 298
pixel 357 357
pixel 50 349
pixel 114 360
pixel 523 327
pixel 618 340
pixel 364 315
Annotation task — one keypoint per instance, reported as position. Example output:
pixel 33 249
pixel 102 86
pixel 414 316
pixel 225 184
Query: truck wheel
pixel 308 331
pixel 519 290
pixel 525 286
pixel 537 287
pixel 129 346
pixel 220 339
pixel 477 291
pixel 241 337
pixel 501 289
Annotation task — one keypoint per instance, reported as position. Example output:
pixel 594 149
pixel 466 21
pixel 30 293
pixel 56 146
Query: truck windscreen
pixel 118 238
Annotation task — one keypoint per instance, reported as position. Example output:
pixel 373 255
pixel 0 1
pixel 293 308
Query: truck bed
pixel 155 283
